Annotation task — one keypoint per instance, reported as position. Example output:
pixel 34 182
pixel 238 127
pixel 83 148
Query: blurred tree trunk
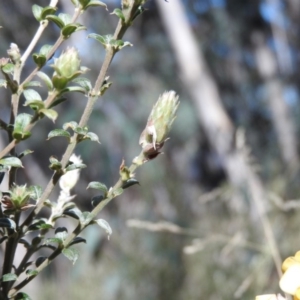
pixel 293 8
pixel 200 84
pixel 213 117
pixel 282 121
pixel 280 38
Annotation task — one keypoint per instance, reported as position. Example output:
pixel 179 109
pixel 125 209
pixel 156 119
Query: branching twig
pixel 15 97
pixel 75 233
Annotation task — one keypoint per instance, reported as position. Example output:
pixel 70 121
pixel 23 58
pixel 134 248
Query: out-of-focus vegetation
pixel 213 245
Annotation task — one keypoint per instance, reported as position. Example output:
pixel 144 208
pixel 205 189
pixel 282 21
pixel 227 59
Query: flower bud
pixel 69 179
pixel 159 124
pixel 67 67
pixel 14 53
pixel 68 63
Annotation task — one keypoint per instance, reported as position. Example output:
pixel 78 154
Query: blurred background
pixel 196 226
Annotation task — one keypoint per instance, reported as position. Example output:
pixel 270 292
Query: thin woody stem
pixel 83 121
pixel 16 96
pixel 80 227
pixel 93 97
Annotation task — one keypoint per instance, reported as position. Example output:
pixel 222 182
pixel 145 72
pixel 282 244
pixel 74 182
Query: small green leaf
pixel 48 10
pixel 100 38
pixel 31 273
pixel 39 224
pixel 96 3
pixel 68 30
pixel 69 205
pixel 119 44
pixel 59 82
pixel 7 223
pixel 46 79
pixel 45 226
pixel 71 254
pixel 84 135
pixel 83 70
pixel 71 125
pixel 53 241
pixel 86 218
pixel 31 95
pixel 93 137
pixel 37 12
pixel 35 192
pixel 40 260
pixel 57 101
pixel 103 224
pixel 32 83
pixel 66 18
pixel 53 160
pixel 81 130
pixel 35 105
pixel 9 277
pixel 59 132
pixel 49 203
pixel 83 82
pixel 55 164
pixel 117 192
pixel 22 296
pixel 77 240
pixel 119 13
pixel 97 186
pixel 8 68
pixel 105 85
pixel 124 44
pixel 58 21
pixel 36 240
pixel 39 59
pixel 75 167
pixel 21 122
pixel 61 233
pixel 21 135
pixel 97 199
pixel 46 49
pixel 83 3
pixel 71 28
pixel 129 183
pixel 24 153
pixel 11 161
pixel 49 113
pixel 138 12
pixel 73 89
pixel 74 213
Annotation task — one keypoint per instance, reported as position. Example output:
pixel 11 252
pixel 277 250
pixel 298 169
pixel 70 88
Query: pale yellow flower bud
pixel 68 63
pixel 159 124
